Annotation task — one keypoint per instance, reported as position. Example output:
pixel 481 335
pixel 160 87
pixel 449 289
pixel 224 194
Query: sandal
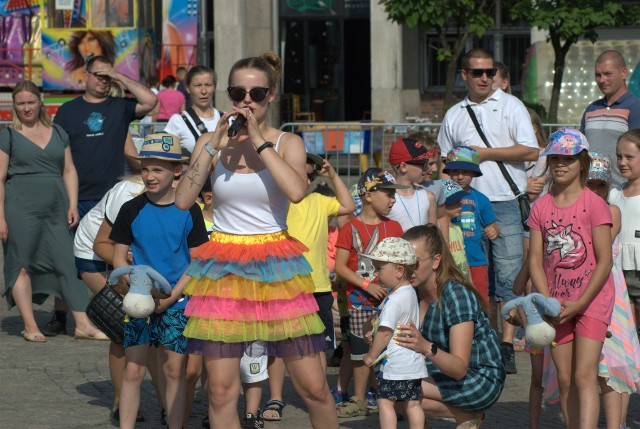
pixel 274 407
pixel 353 408
pixel 34 337
pixel 474 423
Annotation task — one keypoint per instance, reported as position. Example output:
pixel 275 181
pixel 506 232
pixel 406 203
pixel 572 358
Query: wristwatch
pixel 434 349
pixel 210 149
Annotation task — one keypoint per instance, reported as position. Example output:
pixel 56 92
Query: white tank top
pixel 247 203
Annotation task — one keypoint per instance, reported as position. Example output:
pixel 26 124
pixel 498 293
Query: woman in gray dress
pixel 38 205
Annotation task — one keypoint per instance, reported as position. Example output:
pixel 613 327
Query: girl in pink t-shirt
pixel 570 259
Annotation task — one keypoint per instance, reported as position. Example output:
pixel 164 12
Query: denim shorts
pixel 505 252
pixel 91 266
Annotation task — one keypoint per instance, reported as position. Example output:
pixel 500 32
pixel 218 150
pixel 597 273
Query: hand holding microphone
pixel 239 122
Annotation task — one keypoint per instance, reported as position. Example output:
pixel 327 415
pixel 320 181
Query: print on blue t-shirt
pixel 476 214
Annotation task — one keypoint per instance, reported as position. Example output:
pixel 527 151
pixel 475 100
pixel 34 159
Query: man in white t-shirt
pixel 507 126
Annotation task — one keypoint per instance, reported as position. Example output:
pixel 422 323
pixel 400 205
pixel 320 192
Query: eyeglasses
pixel 312 176
pixel 419 261
pixel 480 72
pixel 237 93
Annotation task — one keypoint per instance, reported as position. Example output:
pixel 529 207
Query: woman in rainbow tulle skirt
pixel 250 289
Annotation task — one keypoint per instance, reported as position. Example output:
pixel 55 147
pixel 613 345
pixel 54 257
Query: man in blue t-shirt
pixel 608 118
pixel 97 125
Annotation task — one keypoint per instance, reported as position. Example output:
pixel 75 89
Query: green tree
pixel 459 18
pixel 566 22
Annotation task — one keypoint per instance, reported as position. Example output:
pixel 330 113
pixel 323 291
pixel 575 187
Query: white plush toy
pixel 536 307
pixel 145 282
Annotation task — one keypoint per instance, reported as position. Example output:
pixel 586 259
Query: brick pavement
pixel 65 384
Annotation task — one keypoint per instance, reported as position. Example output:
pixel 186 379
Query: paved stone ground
pixel 65 384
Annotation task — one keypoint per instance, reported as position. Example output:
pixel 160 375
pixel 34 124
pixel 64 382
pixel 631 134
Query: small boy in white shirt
pixel 401 369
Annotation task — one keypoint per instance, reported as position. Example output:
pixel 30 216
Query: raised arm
pixel 145 97
pixel 288 167
pixel 347 205
pixel 201 164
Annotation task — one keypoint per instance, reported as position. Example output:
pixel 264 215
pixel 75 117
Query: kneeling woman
pixel 462 352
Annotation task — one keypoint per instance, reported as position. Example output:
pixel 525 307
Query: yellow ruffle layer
pixel 237 331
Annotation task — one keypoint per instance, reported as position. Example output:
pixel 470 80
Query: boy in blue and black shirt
pixel 160 235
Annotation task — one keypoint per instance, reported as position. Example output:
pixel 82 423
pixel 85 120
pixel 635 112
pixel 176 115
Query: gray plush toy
pixel 536 307
pixel 138 302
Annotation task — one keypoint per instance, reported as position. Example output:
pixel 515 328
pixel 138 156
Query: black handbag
pixel 105 311
pixel 522 199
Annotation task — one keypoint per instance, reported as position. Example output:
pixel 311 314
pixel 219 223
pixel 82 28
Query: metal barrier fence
pixel 352 147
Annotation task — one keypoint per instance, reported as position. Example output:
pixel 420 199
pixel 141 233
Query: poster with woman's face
pixel 65 51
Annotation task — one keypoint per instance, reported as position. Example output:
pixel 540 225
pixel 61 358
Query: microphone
pixel 237 124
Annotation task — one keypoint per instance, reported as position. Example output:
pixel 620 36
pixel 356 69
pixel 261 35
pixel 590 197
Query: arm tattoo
pixel 193 175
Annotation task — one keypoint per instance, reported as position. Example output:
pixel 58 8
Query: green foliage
pixel 459 18
pixel 570 20
pixel 466 17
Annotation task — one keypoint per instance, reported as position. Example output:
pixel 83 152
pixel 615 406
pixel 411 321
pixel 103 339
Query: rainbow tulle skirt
pixel 252 293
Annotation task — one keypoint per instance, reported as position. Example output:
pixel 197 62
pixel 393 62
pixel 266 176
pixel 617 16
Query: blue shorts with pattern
pixel 169 330
pixel 137 331
pixel 165 329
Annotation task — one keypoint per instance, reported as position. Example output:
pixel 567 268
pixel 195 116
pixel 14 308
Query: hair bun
pixel 273 59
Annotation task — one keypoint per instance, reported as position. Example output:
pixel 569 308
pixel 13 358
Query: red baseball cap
pixel 408 150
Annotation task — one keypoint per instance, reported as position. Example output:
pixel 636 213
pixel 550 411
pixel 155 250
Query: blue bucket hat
pixel 463 158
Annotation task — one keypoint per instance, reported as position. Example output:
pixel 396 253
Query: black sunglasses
pixel 422 164
pixel 480 72
pixel 237 93
pixel 312 176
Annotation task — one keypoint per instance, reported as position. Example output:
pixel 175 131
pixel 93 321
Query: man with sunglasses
pixel 506 126
pixel 97 125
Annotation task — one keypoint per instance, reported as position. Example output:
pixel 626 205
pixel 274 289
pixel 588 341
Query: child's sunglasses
pixel 480 72
pixel 237 93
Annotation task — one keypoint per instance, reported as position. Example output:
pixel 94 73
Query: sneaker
pixel 252 422
pixel 372 404
pixel 339 396
pixel 508 358
pixel 56 326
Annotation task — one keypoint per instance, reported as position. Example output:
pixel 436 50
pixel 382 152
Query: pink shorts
pixel 582 326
